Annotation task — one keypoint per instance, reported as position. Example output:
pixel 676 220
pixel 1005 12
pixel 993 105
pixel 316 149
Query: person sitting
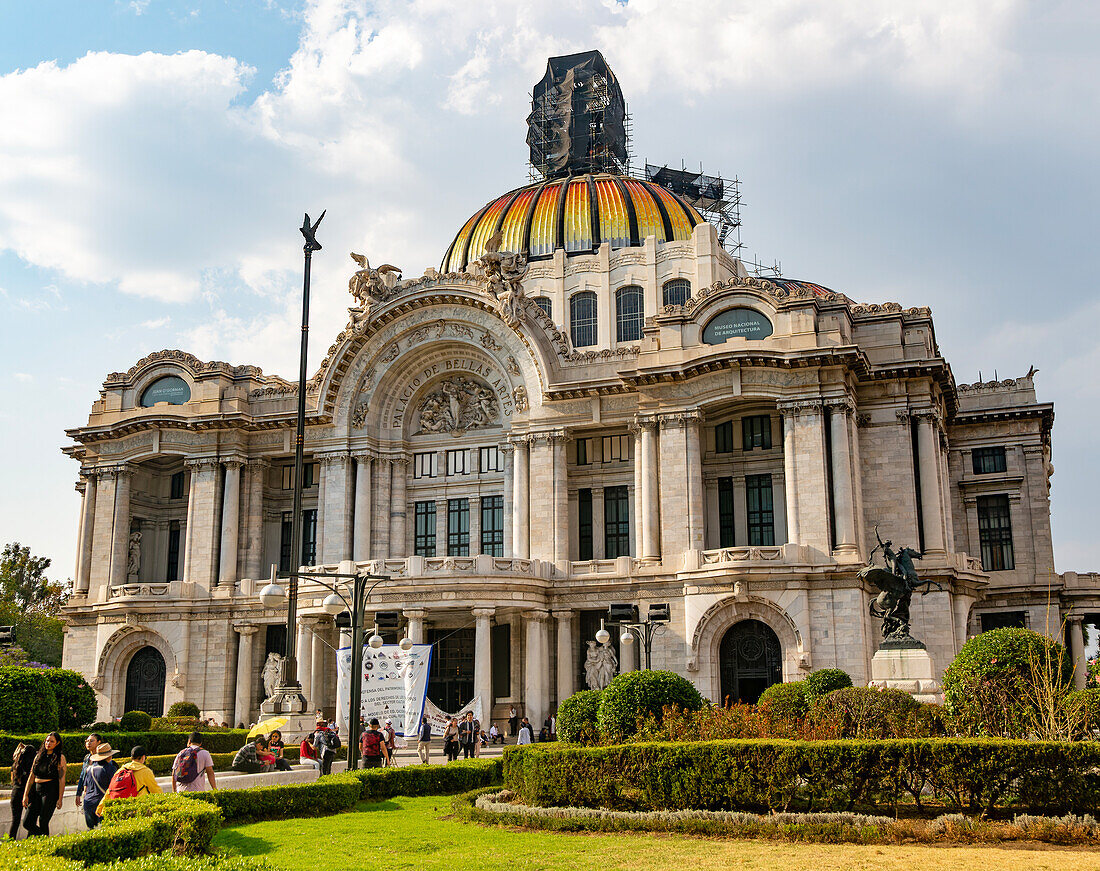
pixel 248 759
pixel 276 746
pixel 495 735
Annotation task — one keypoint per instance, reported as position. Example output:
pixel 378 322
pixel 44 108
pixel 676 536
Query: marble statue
pixel 600 665
pixel 133 559
pixel 369 285
pixel 273 667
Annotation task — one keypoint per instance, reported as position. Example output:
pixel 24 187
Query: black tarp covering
pixel 578 118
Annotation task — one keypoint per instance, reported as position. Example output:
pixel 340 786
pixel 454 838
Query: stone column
pixel 362 517
pixel 790 487
pixel 483 658
pixel 930 497
pixel 255 473
pixel 304 649
pixel 441 527
pixel 636 504
pixel 521 505
pixel 201 517
pixel 843 487
pixel 693 458
pixel 508 450
pixel 566 675
pixel 231 518
pixel 561 496
pixel 416 626
pixel 599 530
pixel 398 508
pixel 809 485
pixel 318 680
pixel 99 565
pixel 335 504
pixel 536 673
pixel 120 531
pixel 1077 651
pixel 651 528
pixel 380 524
pixel 242 711
pixel 87 534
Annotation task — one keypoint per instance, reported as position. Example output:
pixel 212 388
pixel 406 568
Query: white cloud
pixel 155 323
pixel 23 376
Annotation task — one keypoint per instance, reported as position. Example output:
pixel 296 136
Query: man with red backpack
pixel 372 747
pixel 132 779
pixel 190 764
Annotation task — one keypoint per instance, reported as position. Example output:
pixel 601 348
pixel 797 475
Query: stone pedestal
pixel 906 668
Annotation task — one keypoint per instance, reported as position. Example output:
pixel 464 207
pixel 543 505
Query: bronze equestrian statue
pixel 896 583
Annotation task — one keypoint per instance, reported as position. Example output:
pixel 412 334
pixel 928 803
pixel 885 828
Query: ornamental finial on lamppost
pixel 310 232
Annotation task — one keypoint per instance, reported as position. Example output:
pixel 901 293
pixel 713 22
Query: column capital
pixel 680 419
pixel 199 463
pixel 551 436
pixel 483 613
pixel 90 473
pixel 507 448
pixel 643 421
pixel 233 462
pixel 366 454
pixel 258 463
pixel 796 407
pixel 415 614
pixel 332 458
pixel 1075 618
pixel 246 628
pixel 840 404
pixel 536 615
pixel 564 615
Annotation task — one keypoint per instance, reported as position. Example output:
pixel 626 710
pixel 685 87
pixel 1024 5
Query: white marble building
pixel 643 423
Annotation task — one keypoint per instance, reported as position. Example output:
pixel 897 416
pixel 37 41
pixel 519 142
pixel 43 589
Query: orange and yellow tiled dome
pixel 577 214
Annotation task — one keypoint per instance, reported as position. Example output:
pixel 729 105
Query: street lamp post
pixel 626 617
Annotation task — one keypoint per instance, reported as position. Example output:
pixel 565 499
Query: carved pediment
pixel 457 404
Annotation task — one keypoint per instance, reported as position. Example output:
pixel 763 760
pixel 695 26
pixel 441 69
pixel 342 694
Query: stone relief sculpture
pixel 457 405
pixel 600 665
pixel 519 396
pixel 273 665
pixel 133 561
pixel 504 271
pixel 896 583
pixel 369 285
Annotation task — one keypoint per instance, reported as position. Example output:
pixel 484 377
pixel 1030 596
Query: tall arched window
pixel 628 313
pixel 582 318
pixel 676 291
pixel 544 303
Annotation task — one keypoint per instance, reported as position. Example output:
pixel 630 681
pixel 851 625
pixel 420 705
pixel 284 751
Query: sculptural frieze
pixel 456 405
pixel 504 272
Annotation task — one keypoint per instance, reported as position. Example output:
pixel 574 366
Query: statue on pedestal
pixel 896 583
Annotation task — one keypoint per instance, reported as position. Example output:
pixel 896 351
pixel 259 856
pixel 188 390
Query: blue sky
pixel 155 159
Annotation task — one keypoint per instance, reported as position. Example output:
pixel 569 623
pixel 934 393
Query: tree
pixel 23 581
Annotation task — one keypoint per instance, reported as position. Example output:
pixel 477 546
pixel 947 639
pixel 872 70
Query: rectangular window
pixel 492 525
pixel 285 532
pixel 584 452
pixel 616 523
pixel 584 524
pixel 173 573
pixel 458 527
pixel 617 448
pixel 756 432
pixel 1003 620
pixel 988 460
pixel 424 464
pixel 176 491
pixel 458 462
pixel 761 520
pixel 725 512
pixel 310 476
pixel 309 537
pixel 490 460
pixel 723 438
pixel 995 533
pixel 424 532
pixel 500 639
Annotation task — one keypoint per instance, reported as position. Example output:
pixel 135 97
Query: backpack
pixel 372 743
pixel 187 765
pixel 331 741
pixel 305 750
pixel 123 784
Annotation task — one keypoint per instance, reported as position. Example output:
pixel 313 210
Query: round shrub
pixel 783 707
pixel 577 717
pixel 820 683
pixel 864 712
pixel 76 703
pixel 640 695
pixel 993 685
pixel 27 701
pixel 135 721
pixel 183 709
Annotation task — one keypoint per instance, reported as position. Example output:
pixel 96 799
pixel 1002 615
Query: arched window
pixel 582 318
pixel 676 291
pixel 628 313
pixel 544 303
pixel 171 389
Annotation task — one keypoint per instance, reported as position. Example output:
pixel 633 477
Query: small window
pixel 676 292
pixel 490 460
pixel 989 460
pixel 310 476
pixel 458 527
pixel 171 389
pixel 1003 620
pixel 309 537
pixel 545 304
pixel 995 533
pixel 617 448
pixel 285 532
pixel 726 536
pixel 176 490
pixel 424 464
pixel 628 313
pixel 584 524
pixel 723 438
pixel 760 516
pixel 458 462
pixel 173 573
pixel 492 525
pixel 584 452
pixel 424 537
pixel 616 523
pixel 756 432
pixel 582 319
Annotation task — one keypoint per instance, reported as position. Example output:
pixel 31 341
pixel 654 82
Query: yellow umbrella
pixel 267 726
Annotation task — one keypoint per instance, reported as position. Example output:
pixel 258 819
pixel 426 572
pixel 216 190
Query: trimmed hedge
pixel 27 701
pixel 775 775
pixel 577 717
pixel 136 721
pixel 865 712
pixel 155 743
pixel 76 704
pixel 636 696
pixel 183 709
pixel 820 683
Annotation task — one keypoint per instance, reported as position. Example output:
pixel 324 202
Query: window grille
pixel 617 448
pixel 176 491
pixel 995 533
pixel 584 526
pixel 756 432
pixel 628 313
pixel 616 526
pixel 458 462
pixel 490 460
pixel 989 460
pixel 424 534
pixel 492 525
pixel 424 465
pixel 726 536
pixel 546 305
pixel 723 438
pixel 458 527
pixel 584 452
pixel 760 515
pixel 582 318
pixel 676 292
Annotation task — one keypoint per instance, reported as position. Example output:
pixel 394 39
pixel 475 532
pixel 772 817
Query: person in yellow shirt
pixel 132 779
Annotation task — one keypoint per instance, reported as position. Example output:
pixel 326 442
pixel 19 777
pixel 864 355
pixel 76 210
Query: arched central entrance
pixel 750 659
pixel 145 682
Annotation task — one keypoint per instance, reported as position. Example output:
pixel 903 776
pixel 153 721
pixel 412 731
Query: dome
pixel 576 213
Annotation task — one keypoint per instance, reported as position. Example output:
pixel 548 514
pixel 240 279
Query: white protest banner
pixel 395 684
pixel 440 718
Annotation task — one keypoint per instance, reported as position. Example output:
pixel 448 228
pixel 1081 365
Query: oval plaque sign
pixel 170 388
pixel 745 323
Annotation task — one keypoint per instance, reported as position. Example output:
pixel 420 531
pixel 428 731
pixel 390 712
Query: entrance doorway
pixel 751 660
pixel 145 682
pixel 451 678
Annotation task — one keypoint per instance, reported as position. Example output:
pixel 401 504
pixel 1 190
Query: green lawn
pixel 417 834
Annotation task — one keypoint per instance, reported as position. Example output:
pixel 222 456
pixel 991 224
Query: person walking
pixel 45 789
pixel 526 732
pixel 97 780
pixel 450 740
pixel 21 762
pixel 513 722
pixel 390 735
pixel 90 743
pixel 325 742
pixel 190 764
pixel 132 779
pixel 373 746
pixel 424 741
pixel 469 733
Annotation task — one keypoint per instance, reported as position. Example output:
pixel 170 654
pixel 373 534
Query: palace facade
pixel 632 419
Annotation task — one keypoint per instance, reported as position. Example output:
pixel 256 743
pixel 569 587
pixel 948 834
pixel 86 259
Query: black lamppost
pixel 626 618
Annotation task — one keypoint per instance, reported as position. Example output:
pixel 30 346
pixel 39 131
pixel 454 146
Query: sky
pixel 156 157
